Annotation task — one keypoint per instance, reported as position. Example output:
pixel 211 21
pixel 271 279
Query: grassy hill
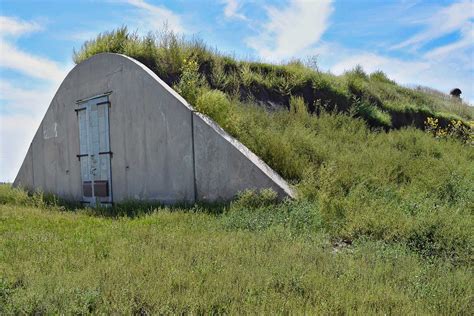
pixel 252 257
pixel 374 97
pixel 383 222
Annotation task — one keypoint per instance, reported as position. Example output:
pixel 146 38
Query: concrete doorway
pixel 94 150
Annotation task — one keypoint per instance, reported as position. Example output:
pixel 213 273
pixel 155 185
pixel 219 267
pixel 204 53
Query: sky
pixel 429 43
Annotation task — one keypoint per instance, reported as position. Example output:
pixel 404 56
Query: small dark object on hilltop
pixel 456 93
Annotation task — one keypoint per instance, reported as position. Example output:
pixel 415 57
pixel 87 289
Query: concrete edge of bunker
pixel 170 157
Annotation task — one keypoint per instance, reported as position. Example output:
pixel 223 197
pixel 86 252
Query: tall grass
pixel 398 186
pixel 165 53
pixel 383 221
pixel 255 257
pixel 401 186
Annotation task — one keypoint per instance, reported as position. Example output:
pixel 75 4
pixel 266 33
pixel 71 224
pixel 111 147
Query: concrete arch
pixel 162 148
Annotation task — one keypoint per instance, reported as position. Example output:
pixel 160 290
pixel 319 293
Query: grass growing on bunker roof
pixel 374 97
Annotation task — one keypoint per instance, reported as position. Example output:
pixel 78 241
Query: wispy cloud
pixel 439 73
pixel 21 112
pixel 399 70
pixel 10 26
pixel 231 10
pixel 21 108
pixel 450 19
pixel 29 64
pixel 466 42
pixel 14 142
pixel 442 67
pixel 23 100
pixel 155 17
pixel 13 58
pixel 292 29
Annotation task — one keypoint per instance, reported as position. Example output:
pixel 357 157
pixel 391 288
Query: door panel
pixel 93 116
pixel 84 146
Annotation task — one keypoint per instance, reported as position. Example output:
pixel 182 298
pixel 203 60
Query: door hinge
pixel 106 153
pixel 81 155
pixel 105 102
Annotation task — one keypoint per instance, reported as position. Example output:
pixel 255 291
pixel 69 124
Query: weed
pixel 384 102
pixel 400 200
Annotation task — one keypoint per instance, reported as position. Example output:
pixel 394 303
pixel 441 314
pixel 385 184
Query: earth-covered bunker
pixel 115 131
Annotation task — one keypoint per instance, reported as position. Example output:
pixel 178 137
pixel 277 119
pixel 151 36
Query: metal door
pixel 95 154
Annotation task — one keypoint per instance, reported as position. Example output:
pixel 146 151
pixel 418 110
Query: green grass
pixel 385 102
pixel 263 258
pixel 383 222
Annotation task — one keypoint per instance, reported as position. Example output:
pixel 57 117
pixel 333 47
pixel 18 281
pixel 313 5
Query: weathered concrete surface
pixel 151 137
pixel 224 166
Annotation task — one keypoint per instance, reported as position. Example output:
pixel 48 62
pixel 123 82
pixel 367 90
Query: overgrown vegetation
pixel 374 97
pixel 253 257
pixel 383 222
pixel 455 129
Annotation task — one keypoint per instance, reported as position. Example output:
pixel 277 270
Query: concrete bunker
pixel 115 131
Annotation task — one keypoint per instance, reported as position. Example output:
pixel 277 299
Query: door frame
pixel 85 105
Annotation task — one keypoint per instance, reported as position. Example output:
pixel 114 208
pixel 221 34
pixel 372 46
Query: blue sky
pixel 415 42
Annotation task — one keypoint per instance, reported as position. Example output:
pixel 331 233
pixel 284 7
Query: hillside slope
pixel 367 182
pixel 376 98
pixel 383 222
pixel 401 185
pixel 259 259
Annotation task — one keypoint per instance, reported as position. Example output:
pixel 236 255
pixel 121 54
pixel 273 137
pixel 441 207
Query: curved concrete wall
pixel 162 149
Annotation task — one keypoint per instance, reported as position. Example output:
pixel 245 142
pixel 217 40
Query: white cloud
pixel 442 68
pixel 22 108
pixel 465 42
pixel 10 26
pixel 16 135
pixel 450 19
pixel 399 70
pixel 22 100
pixel 31 65
pixel 11 57
pixel 155 17
pixel 426 71
pixel 292 30
pixel 231 10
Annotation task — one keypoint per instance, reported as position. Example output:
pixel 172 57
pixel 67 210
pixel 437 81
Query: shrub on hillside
pixel 164 52
pixel 456 129
pixel 217 105
pixel 367 184
pixel 191 82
